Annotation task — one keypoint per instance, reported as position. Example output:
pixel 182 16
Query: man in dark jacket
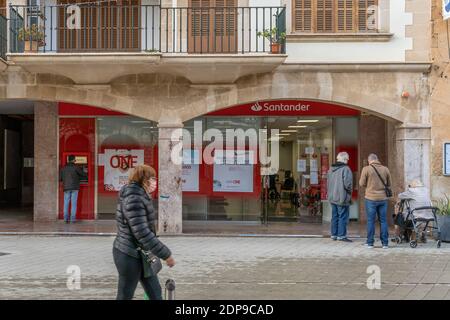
pixel 70 176
pixel 340 186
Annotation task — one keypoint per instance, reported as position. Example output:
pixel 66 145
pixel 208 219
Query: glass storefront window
pixel 122 143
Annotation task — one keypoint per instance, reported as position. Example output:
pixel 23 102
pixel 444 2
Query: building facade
pixel 110 82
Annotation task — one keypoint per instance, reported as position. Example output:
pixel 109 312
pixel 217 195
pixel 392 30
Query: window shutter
pixel 344 21
pixel 303 15
pixel 324 21
pixel 367 15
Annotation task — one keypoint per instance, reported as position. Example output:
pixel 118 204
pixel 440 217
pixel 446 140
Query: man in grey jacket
pixel 70 176
pixel 340 186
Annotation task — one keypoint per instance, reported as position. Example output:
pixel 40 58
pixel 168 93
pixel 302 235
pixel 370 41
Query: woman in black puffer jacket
pixel 136 227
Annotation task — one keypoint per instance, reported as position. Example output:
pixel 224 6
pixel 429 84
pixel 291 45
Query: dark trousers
pixel 130 273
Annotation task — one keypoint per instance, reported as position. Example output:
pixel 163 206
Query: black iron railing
pixel 108 27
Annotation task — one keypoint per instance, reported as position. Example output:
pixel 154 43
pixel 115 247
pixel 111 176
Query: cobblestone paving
pixel 229 268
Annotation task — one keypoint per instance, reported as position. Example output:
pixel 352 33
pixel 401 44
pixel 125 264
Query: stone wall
pixel 440 99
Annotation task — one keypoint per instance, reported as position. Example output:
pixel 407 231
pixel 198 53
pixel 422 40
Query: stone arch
pixel 374 105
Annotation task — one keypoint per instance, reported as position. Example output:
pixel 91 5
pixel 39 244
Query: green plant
pixel 443 205
pixel 273 35
pixel 34 33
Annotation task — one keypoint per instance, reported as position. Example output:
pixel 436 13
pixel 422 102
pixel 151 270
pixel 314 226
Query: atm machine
pixel 85 205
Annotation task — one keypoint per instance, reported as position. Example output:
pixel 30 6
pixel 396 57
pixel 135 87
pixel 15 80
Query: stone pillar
pixel 45 161
pixel 170 216
pixel 412 155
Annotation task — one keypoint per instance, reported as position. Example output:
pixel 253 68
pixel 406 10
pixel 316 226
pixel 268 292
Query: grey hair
pixel 343 157
pixel 373 157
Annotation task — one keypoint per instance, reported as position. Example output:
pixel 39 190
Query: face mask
pixel 151 185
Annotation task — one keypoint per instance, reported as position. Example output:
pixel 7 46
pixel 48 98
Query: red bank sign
pixel 287 108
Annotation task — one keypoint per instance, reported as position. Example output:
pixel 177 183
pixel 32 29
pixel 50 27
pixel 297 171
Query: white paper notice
pixel 301 165
pixel 313 164
pixel 314 178
pixel 309 150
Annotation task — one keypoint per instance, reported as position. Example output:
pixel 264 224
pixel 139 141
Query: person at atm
pixel 70 175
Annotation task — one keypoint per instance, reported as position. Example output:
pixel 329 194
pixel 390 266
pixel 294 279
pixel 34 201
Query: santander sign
pixel 287 108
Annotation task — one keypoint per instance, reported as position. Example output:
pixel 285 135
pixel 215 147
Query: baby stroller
pixel 417 224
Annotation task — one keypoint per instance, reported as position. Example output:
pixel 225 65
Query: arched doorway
pixel 242 197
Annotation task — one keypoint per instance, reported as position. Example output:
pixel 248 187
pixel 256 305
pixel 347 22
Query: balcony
pixel 94 43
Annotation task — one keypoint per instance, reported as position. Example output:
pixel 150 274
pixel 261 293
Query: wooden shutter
pixel 303 15
pixel 212 26
pixel 334 15
pixel 3 7
pixel 345 15
pixel 104 26
pixel 325 14
pixel 367 16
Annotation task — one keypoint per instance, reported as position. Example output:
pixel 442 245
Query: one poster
pixel 313 165
pixel 446 9
pixel 309 150
pixel 301 165
pixel 190 171
pixel 231 177
pixel 314 178
pixel 447 159
pixel 118 163
pixel 190 177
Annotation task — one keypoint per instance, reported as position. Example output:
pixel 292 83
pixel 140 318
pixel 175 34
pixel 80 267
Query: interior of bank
pixel 295 191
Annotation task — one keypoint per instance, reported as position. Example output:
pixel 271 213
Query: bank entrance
pixel 304 136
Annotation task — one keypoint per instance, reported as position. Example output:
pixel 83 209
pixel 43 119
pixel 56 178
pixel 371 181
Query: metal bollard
pixel 170 289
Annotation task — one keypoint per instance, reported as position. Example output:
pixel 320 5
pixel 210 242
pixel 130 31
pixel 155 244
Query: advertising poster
pixel 118 163
pixel 233 177
pixel 301 165
pixel 190 171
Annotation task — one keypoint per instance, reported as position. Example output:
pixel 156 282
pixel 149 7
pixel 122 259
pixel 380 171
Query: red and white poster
pixel 233 171
pixel 118 163
pixel 324 167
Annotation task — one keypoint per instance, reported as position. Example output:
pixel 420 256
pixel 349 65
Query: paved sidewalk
pixel 229 268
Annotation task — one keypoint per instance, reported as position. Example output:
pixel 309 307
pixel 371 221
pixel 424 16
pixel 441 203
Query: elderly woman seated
pixel 417 196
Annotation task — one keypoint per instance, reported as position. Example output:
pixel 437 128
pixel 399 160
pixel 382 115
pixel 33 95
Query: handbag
pixel 151 264
pixel 387 189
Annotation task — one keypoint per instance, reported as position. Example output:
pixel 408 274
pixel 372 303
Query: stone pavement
pixel 34 267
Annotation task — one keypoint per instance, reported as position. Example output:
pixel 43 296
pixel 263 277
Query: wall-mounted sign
pixel 446 157
pixel 286 108
pixel 233 171
pixel 118 163
pixel 446 9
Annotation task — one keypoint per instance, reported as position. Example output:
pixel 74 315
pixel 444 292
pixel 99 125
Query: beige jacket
pixel 370 180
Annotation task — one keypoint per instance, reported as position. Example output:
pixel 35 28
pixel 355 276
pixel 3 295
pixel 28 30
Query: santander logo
pixel 256 107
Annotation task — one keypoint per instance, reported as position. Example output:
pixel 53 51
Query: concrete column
pixel 170 217
pixel 45 161
pixel 412 155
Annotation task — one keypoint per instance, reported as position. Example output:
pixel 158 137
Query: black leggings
pixel 130 273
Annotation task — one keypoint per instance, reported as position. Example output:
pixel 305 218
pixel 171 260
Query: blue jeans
pixel 339 220
pixel 374 209
pixel 70 196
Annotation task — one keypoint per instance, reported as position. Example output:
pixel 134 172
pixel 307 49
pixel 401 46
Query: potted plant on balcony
pixel 443 217
pixel 32 37
pixel 275 37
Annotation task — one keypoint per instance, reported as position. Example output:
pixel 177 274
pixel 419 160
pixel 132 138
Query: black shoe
pixel 66 221
pixel 345 240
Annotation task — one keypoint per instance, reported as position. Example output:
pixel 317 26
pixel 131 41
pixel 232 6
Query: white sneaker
pixel 385 247
pixel 369 247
